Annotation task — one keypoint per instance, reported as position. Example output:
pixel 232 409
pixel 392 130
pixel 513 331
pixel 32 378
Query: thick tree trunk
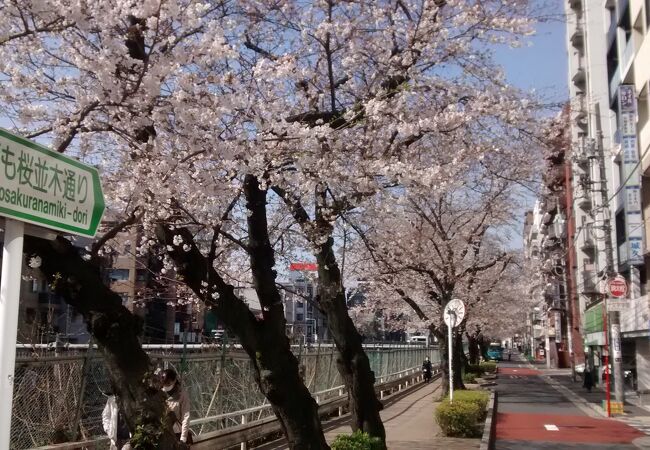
pixel 456 362
pixel 277 367
pixel 483 346
pixel 264 339
pixel 115 330
pixel 473 349
pixel 353 363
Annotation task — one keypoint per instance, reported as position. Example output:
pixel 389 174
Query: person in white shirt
pixel 115 425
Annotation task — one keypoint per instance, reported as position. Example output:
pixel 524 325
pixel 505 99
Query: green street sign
pixel 46 188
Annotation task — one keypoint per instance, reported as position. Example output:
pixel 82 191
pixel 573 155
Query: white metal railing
pixel 317 396
pixel 243 414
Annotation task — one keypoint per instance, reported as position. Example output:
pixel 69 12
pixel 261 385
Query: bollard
pixel 340 407
pixel 381 395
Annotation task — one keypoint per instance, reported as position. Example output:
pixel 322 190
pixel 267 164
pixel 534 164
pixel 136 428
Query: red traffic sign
pixel 617 287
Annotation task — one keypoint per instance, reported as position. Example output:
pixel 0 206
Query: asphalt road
pixel 532 415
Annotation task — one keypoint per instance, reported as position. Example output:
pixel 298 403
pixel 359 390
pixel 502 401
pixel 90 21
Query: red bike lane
pixel 533 415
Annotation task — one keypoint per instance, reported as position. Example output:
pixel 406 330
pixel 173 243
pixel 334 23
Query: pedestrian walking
pixel 588 382
pixel 427 369
pixel 115 426
pixel 178 405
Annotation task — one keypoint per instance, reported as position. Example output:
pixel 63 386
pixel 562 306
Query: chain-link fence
pixel 61 398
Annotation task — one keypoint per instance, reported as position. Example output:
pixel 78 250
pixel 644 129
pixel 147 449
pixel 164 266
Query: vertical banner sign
pixel 634 229
pixel 617 353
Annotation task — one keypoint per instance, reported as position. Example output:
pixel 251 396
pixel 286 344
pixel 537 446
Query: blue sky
pixel 542 65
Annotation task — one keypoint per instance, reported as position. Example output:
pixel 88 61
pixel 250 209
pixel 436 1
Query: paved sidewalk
pixel 410 424
pixel 543 409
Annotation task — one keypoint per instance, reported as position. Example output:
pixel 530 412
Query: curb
pixel 490 430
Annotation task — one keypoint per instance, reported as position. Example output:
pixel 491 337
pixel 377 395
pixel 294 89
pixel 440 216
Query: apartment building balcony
pixel 575 4
pixel 558 304
pixel 578 37
pixel 579 111
pixel 590 283
pixel 579 77
pixel 550 243
pixel 587 243
pixel 584 152
pixel 582 198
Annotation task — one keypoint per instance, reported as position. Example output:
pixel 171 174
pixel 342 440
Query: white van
pixel 424 340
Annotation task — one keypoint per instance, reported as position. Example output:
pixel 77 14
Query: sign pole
pixel 451 368
pixel 608 388
pixel 453 313
pixel 12 260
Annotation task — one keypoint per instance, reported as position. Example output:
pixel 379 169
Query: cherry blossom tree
pixel 452 244
pixel 214 121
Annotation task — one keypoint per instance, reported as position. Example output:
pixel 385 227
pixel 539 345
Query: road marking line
pixel 551 427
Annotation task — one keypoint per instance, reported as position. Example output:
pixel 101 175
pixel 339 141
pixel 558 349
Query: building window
pixel 119 274
pixel 300 317
pixel 141 275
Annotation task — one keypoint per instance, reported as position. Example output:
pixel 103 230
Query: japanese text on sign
pixel 45 188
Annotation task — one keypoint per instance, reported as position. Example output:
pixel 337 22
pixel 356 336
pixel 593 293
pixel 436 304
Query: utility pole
pixel 612 317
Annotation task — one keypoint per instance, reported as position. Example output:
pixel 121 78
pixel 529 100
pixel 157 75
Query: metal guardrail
pixel 241 434
pixel 257 429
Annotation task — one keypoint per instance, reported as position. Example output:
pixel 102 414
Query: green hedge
pixel 475 368
pixel 356 441
pixel 459 419
pixel 470 377
pixel 488 367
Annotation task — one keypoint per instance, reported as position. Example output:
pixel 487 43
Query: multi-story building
pixel 553 326
pixel 609 71
pixel 43 316
pixel 545 241
pixel 167 319
pixel 304 319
